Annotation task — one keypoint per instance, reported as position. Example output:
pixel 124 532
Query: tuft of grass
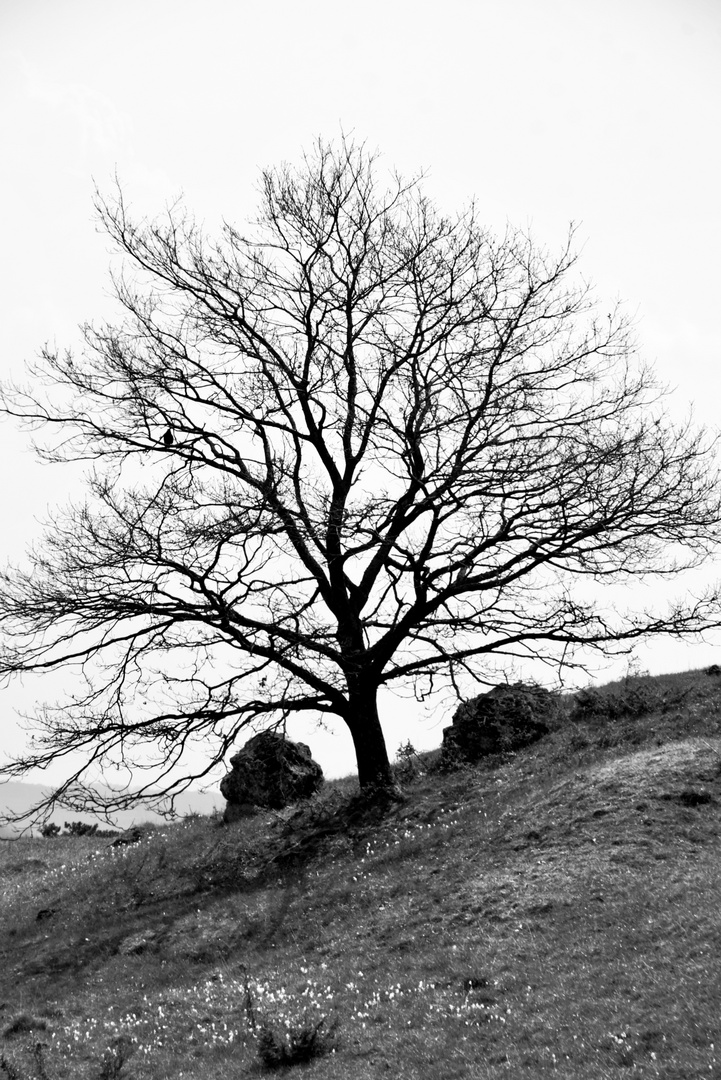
pixel 294 1038
pixel 115 1058
pixel 297 1044
pixel 37 1058
pixel 8 1069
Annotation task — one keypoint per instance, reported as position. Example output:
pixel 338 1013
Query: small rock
pixel 46 913
pixel 138 943
pixel 130 836
pixel 541 908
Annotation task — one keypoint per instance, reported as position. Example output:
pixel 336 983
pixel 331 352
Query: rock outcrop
pixel 269 772
pixel 505 719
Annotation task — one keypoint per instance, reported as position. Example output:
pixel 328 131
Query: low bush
pixel 598 706
pixel 80 828
pixel 407 764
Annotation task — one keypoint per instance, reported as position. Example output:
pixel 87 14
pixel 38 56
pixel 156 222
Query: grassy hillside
pixel 555 913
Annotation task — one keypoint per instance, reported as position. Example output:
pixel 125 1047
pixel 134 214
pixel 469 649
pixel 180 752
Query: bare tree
pixel 363 445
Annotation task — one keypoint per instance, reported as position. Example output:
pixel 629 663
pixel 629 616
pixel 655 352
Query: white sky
pixel 602 111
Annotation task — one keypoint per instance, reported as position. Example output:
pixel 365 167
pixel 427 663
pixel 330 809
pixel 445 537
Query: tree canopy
pixel 358 445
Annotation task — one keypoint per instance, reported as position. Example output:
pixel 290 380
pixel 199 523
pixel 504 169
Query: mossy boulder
pixel 505 719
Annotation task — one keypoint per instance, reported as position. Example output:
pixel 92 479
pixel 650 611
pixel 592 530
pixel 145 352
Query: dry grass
pixel 557 913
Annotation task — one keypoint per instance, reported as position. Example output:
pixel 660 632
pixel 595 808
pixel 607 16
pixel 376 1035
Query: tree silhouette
pixel 397 445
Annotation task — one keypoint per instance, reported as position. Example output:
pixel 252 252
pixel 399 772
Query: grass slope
pixel 554 913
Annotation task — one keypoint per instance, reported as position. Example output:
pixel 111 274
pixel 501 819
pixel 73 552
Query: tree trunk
pixel 374 768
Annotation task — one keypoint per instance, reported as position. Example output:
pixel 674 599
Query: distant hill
pixel 17 797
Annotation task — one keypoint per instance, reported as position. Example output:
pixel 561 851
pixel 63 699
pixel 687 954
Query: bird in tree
pixel 379 397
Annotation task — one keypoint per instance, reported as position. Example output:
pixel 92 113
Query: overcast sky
pixel 601 111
